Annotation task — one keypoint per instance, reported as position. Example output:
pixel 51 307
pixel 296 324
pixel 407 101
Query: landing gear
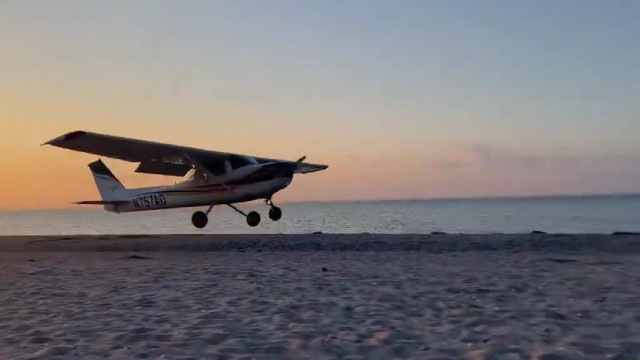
pixel 199 219
pixel 274 213
pixel 253 219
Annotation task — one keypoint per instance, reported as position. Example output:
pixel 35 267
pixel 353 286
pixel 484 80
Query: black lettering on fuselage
pixel 149 201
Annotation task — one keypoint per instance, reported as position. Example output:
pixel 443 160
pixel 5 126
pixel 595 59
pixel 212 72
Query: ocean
pixel 580 214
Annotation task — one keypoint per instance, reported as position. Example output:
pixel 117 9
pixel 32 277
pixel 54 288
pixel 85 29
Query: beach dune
pixel 320 296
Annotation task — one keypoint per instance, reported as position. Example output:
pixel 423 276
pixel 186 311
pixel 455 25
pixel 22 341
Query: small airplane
pixel 210 178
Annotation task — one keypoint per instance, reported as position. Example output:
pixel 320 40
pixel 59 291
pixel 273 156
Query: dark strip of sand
pixel 441 243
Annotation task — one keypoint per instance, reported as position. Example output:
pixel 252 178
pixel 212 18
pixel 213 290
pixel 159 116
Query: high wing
pixel 154 157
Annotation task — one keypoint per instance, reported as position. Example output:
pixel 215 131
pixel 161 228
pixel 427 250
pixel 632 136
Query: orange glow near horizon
pixel 49 178
pixel 46 177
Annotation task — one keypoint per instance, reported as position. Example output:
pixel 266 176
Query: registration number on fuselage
pixel 149 201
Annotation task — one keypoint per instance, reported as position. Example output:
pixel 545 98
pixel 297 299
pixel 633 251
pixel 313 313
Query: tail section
pixel 111 189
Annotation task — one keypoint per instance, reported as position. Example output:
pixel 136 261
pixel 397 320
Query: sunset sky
pixel 402 99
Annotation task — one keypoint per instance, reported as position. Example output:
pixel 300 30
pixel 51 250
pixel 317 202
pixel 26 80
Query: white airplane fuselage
pixel 191 194
pixel 251 182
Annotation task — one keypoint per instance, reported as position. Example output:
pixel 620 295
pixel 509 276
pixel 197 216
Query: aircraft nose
pixel 286 172
pixel 282 170
pixel 290 174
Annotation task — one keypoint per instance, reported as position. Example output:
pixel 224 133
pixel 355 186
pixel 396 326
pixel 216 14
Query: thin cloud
pixel 491 170
pixel 488 156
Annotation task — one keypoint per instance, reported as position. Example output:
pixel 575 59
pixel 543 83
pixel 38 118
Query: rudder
pixel 109 186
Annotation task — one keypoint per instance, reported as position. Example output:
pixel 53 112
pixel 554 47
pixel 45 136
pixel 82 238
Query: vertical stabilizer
pixel 110 188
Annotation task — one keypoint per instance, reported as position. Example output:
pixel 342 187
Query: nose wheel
pixel 275 213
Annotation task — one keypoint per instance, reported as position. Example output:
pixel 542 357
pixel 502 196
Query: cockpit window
pixel 190 175
pixel 216 168
pixel 238 161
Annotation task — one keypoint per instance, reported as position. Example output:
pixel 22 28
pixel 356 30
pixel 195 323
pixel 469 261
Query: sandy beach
pixel 320 296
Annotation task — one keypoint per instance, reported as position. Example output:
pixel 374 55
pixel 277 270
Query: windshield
pixel 237 161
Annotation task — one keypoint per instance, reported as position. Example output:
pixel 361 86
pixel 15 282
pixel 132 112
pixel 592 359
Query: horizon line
pixel 448 198
pixel 478 197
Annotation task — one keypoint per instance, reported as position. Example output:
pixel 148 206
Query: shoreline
pixel 568 196
pixel 624 243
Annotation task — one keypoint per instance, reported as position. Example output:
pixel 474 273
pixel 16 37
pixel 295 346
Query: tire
pixel 275 213
pixel 199 219
pixel 253 219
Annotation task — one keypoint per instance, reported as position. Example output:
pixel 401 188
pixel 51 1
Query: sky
pixel 402 99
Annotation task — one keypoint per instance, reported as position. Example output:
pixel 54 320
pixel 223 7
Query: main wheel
pixel 199 219
pixel 275 213
pixel 253 219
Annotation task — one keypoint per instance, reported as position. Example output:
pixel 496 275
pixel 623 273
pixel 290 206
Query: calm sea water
pixel 592 214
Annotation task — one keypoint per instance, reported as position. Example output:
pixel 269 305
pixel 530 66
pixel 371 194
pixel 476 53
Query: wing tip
pixel 311 168
pixel 66 137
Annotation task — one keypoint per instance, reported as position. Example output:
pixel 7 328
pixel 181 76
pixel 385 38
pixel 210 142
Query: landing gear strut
pixel 253 218
pixel 199 219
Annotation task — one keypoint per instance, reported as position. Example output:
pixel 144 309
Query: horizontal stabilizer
pixel 101 202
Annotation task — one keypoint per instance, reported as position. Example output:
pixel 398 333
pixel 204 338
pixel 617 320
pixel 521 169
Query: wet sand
pixel 320 297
